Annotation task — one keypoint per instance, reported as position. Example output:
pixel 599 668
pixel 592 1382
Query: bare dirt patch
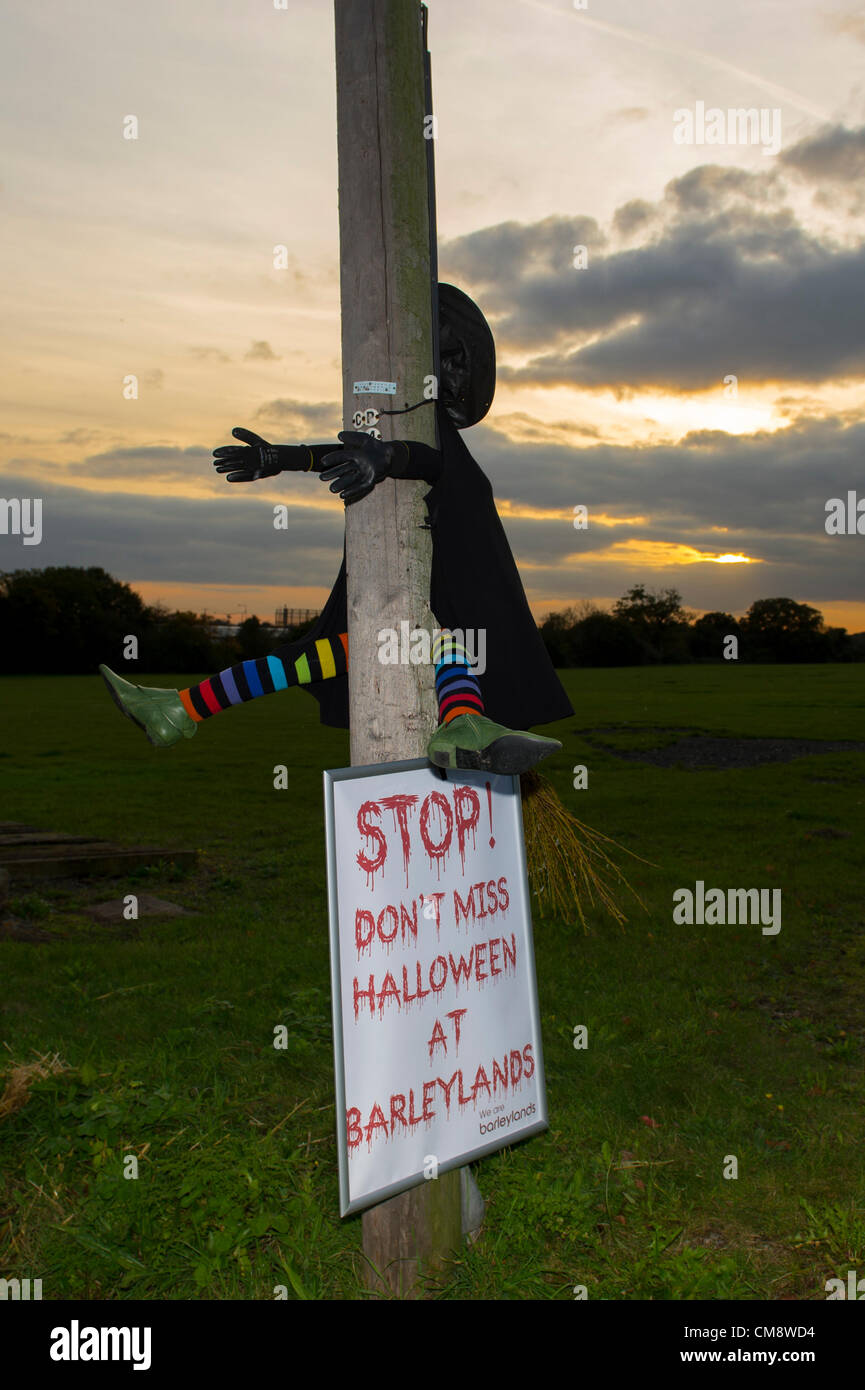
pixel 698 751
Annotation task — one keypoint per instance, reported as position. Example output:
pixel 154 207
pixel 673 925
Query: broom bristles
pixel 21 1077
pixel 567 860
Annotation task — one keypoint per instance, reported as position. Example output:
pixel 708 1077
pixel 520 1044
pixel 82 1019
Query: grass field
pixel 704 1042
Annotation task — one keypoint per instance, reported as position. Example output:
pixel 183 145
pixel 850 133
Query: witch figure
pixel 484 717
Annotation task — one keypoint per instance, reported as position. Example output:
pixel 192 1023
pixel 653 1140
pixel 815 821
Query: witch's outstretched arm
pixel 352 467
pixel 257 458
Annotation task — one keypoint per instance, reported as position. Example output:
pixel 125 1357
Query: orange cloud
pixel 660 555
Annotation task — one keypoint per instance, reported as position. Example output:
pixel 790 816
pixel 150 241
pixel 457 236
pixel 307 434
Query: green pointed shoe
pixel 475 743
pixel 160 713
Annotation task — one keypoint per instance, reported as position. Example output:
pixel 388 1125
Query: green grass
pixel 732 1043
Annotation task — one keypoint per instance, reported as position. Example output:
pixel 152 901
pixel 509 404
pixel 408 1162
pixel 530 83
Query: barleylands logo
pixel 76 1343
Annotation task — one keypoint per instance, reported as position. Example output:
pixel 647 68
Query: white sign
pixel 374 388
pixel 436 1031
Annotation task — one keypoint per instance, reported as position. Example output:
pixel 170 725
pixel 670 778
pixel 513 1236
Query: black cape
pixel 474 583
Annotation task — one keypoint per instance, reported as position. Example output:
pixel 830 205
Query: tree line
pixel 66 620
pixel 646 628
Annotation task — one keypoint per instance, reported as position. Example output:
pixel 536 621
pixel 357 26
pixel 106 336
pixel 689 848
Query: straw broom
pixel 568 862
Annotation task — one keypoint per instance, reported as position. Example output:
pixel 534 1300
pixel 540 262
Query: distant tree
pixel 641 605
pixel 65 619
pixel 783 615
pixel 601 639
pixel 780 629
pixel 840 645
pixel 706 638
pixel 646 627
pixel 294 632
pixel 179 642
pixel 658 619
pixel 254 639
pixel 557 631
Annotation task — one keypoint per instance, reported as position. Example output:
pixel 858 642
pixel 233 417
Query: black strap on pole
pixel 428 400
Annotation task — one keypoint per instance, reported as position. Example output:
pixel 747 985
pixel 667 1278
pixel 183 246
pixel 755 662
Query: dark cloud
pixel 177 540
pixel 727 282
pixel 149 461
pixel 511 250
pixel 82 437
pixel 709 188
pixel 834 155
pixel 751 483
pixel 834 161
pixel 527 426
pixel 763 495
pixel 704 310
pixel 768 492
pixel 260 351
pixel 321 420
pixel 633 217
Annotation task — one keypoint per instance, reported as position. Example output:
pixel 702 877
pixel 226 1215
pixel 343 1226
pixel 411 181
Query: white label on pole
pixel 375 388
pixel 436 1029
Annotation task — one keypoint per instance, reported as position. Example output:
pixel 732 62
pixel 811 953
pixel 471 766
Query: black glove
pixel 258 460
pixel 354 471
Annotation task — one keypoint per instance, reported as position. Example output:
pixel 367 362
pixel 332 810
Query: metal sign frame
pixel 518 878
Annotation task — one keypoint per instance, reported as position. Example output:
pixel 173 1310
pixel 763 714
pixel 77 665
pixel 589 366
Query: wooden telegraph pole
pixel 387 335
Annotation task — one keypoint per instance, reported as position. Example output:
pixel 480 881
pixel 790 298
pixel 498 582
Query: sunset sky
pixel 154 257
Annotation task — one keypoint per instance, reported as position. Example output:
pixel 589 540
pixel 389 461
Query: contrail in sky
pixel 664 45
